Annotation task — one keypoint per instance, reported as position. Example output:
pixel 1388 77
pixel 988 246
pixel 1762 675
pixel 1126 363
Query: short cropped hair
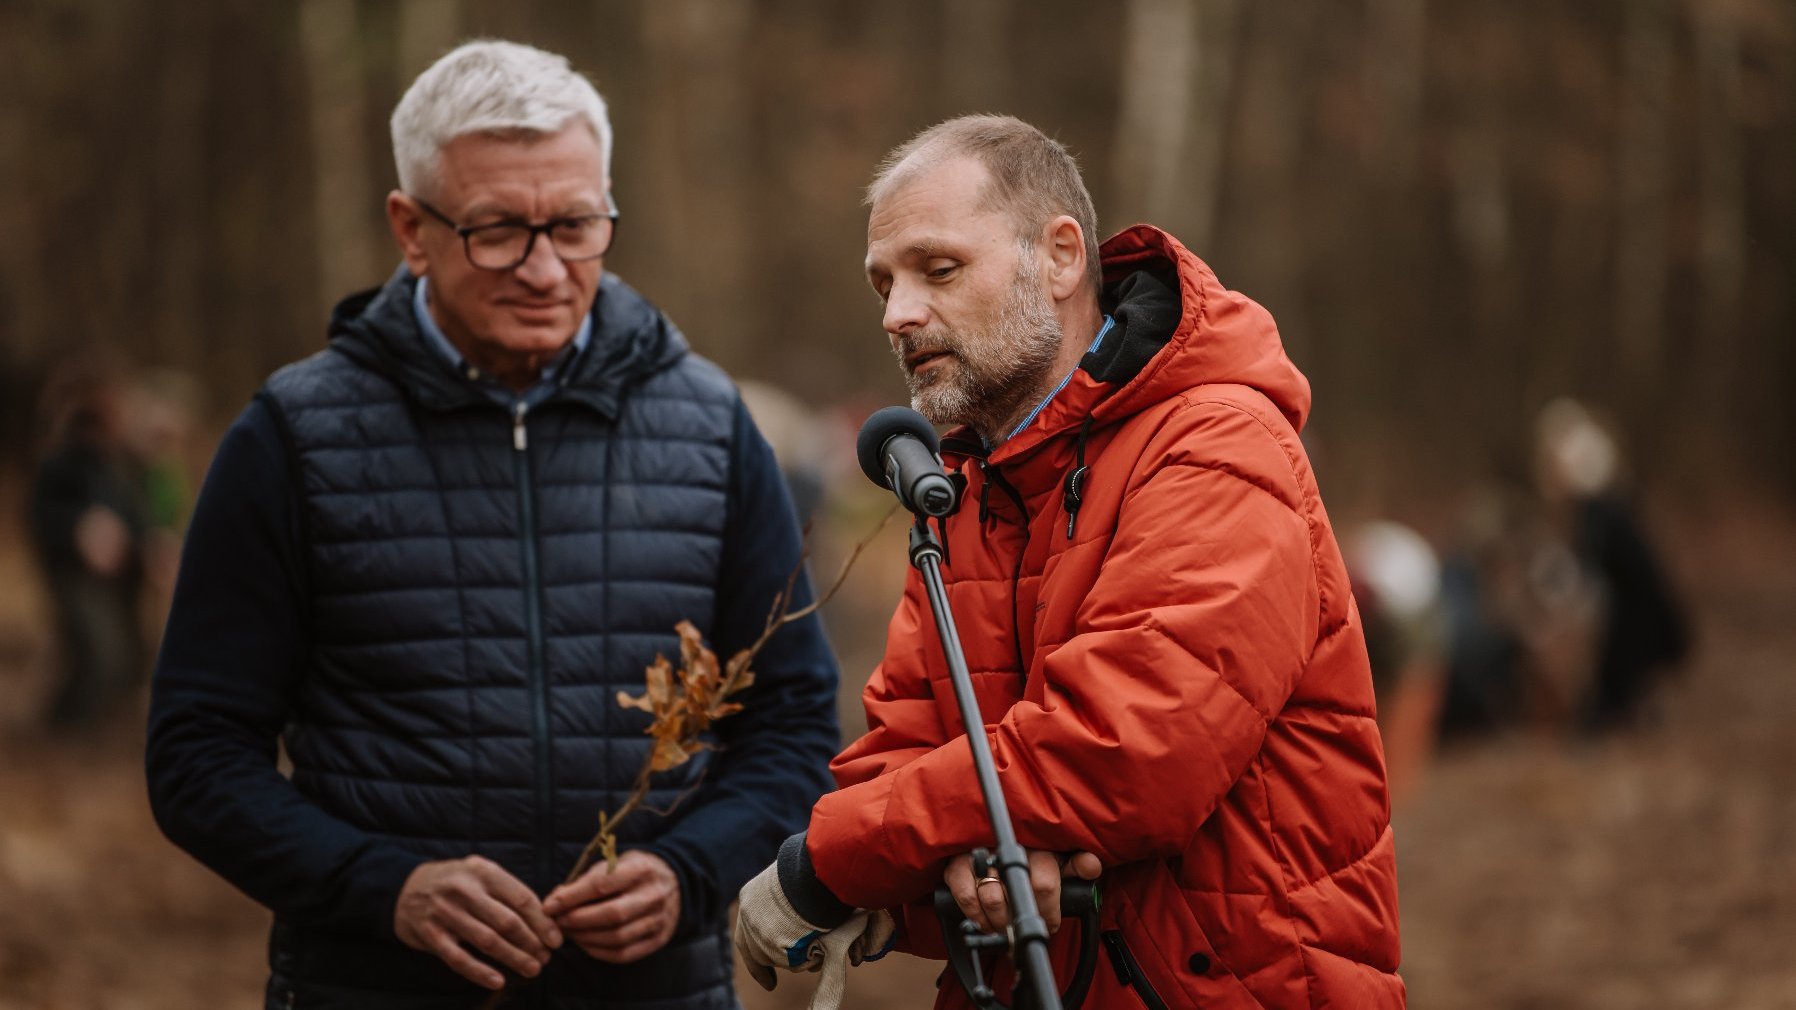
pixel 489 86
pixel 1033 177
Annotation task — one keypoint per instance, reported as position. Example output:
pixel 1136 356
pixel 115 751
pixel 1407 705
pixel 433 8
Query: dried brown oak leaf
pixel 684 711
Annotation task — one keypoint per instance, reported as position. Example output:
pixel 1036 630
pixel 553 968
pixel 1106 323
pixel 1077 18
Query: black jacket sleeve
pixel 776 751
pixel 233 652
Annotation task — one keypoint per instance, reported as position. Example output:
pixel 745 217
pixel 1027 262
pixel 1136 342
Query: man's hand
pixel 771 934
pixel 620 916
pixel 984 903
pixel 452 904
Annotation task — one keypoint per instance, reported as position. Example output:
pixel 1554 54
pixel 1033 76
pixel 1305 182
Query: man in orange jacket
pixel 1157 619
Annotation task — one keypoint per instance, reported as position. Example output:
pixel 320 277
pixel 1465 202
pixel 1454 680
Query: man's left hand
pixel 988 906
pixel 623 915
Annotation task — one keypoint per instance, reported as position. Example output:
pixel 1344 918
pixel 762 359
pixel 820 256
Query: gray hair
pixel 1033 177
pixel 490 86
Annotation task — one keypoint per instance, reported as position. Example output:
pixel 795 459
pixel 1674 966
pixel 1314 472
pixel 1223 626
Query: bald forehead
pixel 939 157
pixel 957 177
pixel 949 190
pixel 934 212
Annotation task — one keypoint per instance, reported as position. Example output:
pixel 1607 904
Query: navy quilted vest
pixel 482 586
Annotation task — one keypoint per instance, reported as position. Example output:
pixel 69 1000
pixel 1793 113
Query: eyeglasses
pixel 505 245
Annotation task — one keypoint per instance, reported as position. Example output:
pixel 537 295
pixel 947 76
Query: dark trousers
pixel 100 648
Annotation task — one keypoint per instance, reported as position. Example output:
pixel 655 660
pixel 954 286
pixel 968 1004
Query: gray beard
pixel 995 375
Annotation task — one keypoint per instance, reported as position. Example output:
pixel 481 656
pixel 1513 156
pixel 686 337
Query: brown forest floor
pixel 1653 870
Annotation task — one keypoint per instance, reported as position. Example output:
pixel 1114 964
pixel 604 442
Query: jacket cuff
pixel 810 898
pixel 381 875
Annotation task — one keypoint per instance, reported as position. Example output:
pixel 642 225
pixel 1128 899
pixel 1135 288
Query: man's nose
pixel 543 268
pixel 906 310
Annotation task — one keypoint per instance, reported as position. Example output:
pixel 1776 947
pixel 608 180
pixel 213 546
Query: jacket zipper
pixel 1128 970
pixel 992 475
pixel 533 624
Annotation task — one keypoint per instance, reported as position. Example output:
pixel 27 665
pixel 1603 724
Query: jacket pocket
pixel 1129 971
pixel 1159 931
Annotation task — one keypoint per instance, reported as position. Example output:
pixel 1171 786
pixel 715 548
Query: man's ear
pixel 1066 257
pixel 406 220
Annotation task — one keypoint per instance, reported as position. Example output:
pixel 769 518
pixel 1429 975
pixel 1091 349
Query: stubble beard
pixel 993 374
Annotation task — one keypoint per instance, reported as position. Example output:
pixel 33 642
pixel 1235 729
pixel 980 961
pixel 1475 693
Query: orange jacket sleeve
pixel 902 724
pixel 1188 644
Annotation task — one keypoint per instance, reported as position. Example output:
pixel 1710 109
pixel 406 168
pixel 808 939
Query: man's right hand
pixel 448 906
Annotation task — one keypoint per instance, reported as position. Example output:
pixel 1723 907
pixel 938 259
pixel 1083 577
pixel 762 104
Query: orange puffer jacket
pixel 1173 678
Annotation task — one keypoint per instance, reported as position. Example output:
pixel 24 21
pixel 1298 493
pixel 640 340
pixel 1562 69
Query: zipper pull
pixel 518 439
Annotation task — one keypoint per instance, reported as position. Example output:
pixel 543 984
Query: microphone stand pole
pixel 1029 931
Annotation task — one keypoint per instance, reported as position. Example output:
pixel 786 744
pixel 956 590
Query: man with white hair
pixel 425 561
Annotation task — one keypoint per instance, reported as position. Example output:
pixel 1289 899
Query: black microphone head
pixel 880 428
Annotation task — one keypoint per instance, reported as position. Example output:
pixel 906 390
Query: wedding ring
pixel 987 880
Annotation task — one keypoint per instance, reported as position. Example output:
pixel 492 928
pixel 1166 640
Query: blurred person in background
pixel 800 440
pixel 1157 619
pixel 89 525
pixel 427 558
pixel 1484 647
pixel 1396 580
pixel 1641 630
pixel 161 405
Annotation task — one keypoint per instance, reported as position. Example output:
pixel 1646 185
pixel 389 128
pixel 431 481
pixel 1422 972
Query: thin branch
pixel 774 624
pixel 678 723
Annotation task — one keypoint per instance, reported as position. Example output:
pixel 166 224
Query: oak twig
pixel 686 702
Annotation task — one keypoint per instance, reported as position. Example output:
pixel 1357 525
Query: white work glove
pixel 770 934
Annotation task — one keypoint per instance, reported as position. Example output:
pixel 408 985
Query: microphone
pixel 897 450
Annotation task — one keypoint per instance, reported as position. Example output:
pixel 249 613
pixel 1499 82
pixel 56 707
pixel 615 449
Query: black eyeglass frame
pixel 464 232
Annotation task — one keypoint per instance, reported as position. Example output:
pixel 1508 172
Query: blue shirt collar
pixel 433 335
pixel 1095 343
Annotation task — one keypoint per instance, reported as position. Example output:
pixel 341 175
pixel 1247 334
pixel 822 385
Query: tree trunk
pixel 699 139
pixel 1218 38
pixel 178 177
pixel 975 62
pixel 1158 70
pixel 1642 214
pixel 1495 369
pixel 342 185
pixel 1395 69
pixel 427 29
pixel 1721 203
pixel 23 316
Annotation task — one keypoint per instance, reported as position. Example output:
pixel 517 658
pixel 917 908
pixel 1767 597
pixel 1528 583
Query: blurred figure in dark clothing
pixel 1483 610
pixel 1483 655
pixel 88 524
pixel 1644 633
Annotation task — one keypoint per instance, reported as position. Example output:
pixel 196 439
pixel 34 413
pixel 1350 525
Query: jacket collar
pixel 1176 327
pixel 631 340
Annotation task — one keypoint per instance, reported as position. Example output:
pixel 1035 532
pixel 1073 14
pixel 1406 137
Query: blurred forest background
pixel 1458 211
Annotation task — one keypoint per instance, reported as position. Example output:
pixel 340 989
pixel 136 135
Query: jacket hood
pixel 1176 327
pixel 631 340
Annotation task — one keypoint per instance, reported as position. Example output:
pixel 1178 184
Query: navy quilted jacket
pixel 432 602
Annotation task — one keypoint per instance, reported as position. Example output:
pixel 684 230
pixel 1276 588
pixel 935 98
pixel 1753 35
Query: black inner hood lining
pixel 1145 306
